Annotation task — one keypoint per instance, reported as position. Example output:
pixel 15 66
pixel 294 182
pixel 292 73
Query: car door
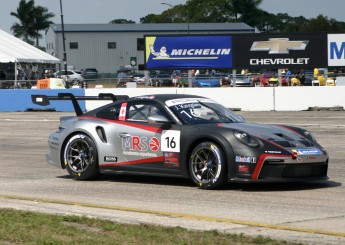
pixel 148 147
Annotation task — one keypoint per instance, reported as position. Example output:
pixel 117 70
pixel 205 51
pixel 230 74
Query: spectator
pixel 316 73
pixel 2 75
pixel 287 76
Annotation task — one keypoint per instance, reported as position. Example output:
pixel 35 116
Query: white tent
pixel 13 49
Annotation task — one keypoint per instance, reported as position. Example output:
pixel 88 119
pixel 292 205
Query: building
pixel 110 47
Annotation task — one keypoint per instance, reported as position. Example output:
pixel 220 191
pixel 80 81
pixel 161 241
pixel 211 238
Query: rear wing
pixel 44 100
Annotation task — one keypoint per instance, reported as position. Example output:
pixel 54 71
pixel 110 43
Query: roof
pixel 161 27
pixel 13 49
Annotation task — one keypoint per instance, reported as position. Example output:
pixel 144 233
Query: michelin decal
pixel 188 52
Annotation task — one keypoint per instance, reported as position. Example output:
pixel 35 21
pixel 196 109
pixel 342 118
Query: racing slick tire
pixel 80 157
pixel 207 166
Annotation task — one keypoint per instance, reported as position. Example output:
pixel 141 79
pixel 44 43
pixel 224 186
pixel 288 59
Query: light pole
pixel 63 41
pixel 171 6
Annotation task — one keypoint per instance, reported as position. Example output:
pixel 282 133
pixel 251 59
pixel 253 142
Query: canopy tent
pixel 13 49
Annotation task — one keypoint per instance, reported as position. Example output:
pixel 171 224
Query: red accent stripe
pixel 261 161
pixel 291 130
pixel 126 123
pixel 140 161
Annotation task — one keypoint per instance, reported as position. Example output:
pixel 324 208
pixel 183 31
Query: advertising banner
pixel 266 51
pixel 188 52
pixel 336 49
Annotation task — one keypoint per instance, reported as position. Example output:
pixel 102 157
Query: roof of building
pixel 161 27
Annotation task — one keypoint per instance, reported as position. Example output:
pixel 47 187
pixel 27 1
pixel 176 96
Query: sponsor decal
pixel 336 49
pixel 243 169
pixel 170 140
pixel 279 45
pixel 307 151
pixel 245 159
pixel 145 97
pixel 273 152
pixel 136 143
pixel 171 159
pixel 273 51
pixel 191 101
pixel 280 61
pixel 188 52
pixel 122 115
pixel 139 144
pixel 154 144
pixel 110 159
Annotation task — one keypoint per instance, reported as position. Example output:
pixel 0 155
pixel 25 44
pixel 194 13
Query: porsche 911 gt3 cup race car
pixel 180 135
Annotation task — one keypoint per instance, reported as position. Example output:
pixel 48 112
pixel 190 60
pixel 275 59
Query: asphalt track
pixel 312 213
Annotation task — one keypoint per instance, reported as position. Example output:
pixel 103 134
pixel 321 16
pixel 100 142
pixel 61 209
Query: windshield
pixel 201 111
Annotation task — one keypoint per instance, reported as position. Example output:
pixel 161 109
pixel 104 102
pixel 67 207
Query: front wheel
pixel 207 166
pixel 80 157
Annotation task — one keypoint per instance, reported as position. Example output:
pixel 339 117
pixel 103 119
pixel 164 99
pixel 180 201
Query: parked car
pixel 139 78
pixel 182 81
pixel 206 81
pixel 90 73
pixel 223 78
pixel 73 77
pixel 162 80
pixel 242 81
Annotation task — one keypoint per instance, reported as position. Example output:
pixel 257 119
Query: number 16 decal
pixel 170 140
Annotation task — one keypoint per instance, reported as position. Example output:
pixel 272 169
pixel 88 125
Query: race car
pixel 180 135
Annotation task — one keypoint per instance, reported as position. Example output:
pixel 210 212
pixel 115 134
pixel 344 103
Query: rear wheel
pixel 207 166
pixel 80 157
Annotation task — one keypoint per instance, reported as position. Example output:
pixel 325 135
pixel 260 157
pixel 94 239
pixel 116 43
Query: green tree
pixel 41 21
pixel 247 11
pixel 24 29
pixel 32 20
pixel 122 21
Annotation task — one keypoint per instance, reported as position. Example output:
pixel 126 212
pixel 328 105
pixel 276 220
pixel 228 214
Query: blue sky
pixel 103 11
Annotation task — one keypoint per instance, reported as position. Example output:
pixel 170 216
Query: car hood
pixel 276 134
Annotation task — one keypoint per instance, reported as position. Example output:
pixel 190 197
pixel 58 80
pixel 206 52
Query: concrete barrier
pixel 247 99
pixel 12 100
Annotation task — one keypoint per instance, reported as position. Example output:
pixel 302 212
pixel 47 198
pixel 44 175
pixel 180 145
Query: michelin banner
pixel 188 52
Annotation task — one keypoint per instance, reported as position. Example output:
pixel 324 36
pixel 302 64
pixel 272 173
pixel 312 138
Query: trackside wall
pixel 246 99
pixel 13 100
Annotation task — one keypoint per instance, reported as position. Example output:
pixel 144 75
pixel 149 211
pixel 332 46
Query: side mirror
pixel 158 119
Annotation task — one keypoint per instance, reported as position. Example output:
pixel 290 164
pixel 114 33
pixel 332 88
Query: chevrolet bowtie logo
pixel 278 45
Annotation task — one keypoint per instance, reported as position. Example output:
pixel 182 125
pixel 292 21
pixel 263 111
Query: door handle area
pixel 124 135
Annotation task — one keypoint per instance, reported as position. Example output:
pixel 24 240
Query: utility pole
pixel 63 42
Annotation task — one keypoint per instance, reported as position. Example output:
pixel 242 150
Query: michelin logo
pixel 189 53
pixel 162 54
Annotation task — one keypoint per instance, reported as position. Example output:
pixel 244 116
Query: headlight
pixel 309 135
pixel 60 129
pixel 246 139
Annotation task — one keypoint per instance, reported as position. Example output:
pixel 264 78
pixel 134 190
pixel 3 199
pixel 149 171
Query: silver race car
pixel 183 136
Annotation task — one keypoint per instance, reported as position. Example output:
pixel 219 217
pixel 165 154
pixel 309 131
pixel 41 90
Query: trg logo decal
pixel 278 45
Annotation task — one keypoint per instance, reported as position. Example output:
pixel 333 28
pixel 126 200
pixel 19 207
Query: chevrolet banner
pixel 280 50
pixel 188 52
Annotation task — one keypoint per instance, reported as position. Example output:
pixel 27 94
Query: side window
pixel 111 112
pixel 141 111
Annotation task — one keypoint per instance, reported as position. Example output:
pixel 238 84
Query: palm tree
pixel 24 29
pixel 32 20
pixel 41 21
